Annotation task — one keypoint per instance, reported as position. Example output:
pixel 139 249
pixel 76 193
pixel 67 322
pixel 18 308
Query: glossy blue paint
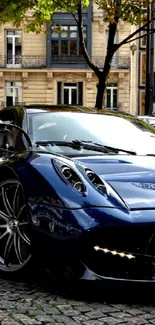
pixel 49 197
pixel 59 212
pixel 132 177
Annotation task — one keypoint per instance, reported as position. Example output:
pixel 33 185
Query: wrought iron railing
pixel 67 59
pixel 118 62
pixel 25 62
pixel 39 62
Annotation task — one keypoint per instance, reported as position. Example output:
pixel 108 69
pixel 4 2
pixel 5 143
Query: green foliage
pixel 132 11
pixel 41 11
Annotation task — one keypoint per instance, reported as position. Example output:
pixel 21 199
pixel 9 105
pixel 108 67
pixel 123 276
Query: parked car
pixel 77 192
pixel 148 119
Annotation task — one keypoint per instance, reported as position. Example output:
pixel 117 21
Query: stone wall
pixel 40 86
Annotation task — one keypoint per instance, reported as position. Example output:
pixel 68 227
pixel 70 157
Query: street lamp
pixel 133 48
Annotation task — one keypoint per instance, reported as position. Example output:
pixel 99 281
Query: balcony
pixel 40 62
pixel 23 62
pixel 118 62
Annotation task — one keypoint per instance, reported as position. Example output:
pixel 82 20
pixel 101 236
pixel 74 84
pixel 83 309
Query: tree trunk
pixel 101 86
pixel 100 97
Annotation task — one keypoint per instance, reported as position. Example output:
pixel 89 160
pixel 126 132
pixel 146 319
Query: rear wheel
pixel 15 242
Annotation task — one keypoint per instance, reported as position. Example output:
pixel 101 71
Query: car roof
pixel 35 108
pixel 44 108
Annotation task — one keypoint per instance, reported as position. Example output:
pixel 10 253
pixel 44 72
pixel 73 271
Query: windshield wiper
pixel 109 148
pixel 150 154
pixel 89 145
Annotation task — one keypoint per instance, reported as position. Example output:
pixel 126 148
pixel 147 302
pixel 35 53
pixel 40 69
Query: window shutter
pixel 80 93
pixel 59 92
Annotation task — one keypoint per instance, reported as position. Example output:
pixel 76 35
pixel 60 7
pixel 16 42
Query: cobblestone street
pixel 23 303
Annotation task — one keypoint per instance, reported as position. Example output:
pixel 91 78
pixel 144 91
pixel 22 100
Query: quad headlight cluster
pixel 103 187
pixel 96 181
pixel 69 175
pixel 73 178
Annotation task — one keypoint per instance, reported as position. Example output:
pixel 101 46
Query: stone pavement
pixel 28 304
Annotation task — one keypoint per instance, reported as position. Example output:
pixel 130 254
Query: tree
pixel 131 11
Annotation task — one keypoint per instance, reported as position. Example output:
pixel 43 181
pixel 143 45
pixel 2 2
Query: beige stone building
pixel 49 68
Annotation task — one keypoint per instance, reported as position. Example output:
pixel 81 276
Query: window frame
pixel 13 55
pixel 13 90
pixel 142 68
pixel 61 37
pixel 61 86
pixel 142 101
pixel 66 19
pixel 112 88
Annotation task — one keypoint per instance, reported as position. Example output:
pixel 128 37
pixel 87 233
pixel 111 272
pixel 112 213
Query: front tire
pixel 15 239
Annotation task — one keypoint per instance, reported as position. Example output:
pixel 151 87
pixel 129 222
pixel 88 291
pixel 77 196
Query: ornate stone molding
pixel 113 75
pixel 101 26
pixel 70 77
pixel 89 76
pixel 25 79
pixel 89 79
pixel 12 76
pixel 121 76
pixel 49 80
pixel 1 79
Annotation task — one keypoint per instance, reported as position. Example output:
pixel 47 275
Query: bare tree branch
pixel 128 38
pixel 74 17
pixel 82 42
pixel 138 37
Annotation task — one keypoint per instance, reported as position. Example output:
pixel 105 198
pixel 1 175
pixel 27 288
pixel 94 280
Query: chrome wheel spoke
pixel 4 234
pixel 17 247
pixel 20 212
pixel 24 237
pixel 16 201
pixel 7 250
pixel 6 202
pixel 15 244
pixel 3 216
pixel 3 226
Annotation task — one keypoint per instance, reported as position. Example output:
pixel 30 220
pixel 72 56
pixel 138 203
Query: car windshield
pixel 102 129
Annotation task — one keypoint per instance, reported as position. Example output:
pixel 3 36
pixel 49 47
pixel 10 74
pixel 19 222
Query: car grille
pixel 127 253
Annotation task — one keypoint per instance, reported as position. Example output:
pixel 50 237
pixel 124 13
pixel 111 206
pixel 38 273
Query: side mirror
pixel 12 137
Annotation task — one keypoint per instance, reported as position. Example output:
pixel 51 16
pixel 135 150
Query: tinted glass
pixel 108 130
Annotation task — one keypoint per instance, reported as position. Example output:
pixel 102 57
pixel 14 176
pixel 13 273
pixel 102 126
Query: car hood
pixel 132 177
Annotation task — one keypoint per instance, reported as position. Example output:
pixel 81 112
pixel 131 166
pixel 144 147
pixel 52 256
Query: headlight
pixel 69 175
pixel 96 181
pixel 102 186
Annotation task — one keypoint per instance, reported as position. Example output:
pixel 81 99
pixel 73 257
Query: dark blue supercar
pixel 75 198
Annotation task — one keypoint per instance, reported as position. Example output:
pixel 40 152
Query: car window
pixel 103 129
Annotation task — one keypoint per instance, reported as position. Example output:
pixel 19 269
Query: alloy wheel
pixel 15 243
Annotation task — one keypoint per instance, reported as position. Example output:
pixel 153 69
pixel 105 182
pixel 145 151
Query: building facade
pixel 141 65
pixel 49 68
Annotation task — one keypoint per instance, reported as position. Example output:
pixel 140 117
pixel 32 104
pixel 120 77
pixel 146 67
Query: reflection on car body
pixel 77 192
